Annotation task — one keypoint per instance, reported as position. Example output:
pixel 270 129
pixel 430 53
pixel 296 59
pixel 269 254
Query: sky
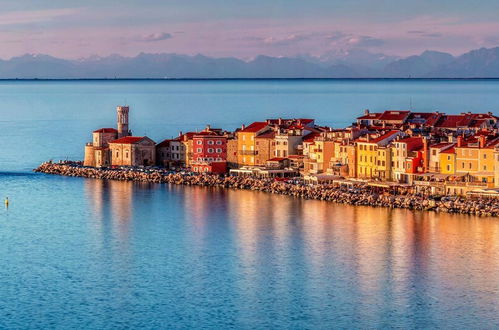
pixel 245 28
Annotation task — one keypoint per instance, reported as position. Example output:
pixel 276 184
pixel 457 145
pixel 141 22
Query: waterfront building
pixel 367 154
pixel 133 151
pixel 186 141
pixel 448 161
pixel 170 153
pixel 406 158
pixel 246 142
pixel 319 155
pixel 264 147
pixel 97 153
pixel 178 152
pixel 232 151
pixel 209 152
pixel 475 156
pixel 435 163
pixel 289 135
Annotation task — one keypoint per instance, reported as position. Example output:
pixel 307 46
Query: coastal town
pixel 448 154
pixel 394 158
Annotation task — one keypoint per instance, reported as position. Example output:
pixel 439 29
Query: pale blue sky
pixel 245 28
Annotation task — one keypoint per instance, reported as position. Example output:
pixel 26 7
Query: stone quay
pixel 358 194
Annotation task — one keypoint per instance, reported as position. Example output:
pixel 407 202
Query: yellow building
pixel 246 144
pixel 367 155
pixel 476 157
pixel 448 161
pixel 384 163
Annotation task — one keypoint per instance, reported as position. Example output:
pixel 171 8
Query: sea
pixel 93 254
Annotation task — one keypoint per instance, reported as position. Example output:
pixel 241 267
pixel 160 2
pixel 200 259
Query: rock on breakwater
pixel 360 194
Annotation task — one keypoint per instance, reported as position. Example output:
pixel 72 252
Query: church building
pixel 117 147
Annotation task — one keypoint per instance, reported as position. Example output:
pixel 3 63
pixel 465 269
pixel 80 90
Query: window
pixel 219 142
pixel 210 142
pixel 199 150
pixel 199 142
pixel 434 152
pixel 210 150
pixel 470 165
pixel 219 150
pixel 484 156
pixel 448 167
pixel 448 157
pixel 126 155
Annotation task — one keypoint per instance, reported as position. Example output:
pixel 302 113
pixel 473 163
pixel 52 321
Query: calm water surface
pixel 78 253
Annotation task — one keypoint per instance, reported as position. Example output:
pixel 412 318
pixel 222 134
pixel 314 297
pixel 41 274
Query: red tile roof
pixel 410 140
pixel 384 136
pixel 210 133
pixel 395 115
pixel 106 130
pixel 266 135
pixel 254 127
pixel 310 137
pixel 373 115
pixel 453 121
pixel 128 140
pixel 449 151
pixel 441 145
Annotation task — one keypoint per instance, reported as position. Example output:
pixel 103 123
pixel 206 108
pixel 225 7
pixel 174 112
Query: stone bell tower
pixel 122 121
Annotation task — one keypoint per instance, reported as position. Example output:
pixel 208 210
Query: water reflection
pixel 317 261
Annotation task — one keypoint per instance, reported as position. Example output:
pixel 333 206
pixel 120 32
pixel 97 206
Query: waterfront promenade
pixel 359 194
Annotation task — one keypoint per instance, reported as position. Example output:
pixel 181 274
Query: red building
pixel 209 153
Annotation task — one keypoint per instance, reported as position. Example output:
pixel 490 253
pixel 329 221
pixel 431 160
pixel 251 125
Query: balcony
pixel 247 152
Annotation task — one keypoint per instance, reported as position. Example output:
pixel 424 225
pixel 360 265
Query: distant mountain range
pixel 480 63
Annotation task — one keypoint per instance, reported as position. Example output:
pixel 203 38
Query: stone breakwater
pixel 358 194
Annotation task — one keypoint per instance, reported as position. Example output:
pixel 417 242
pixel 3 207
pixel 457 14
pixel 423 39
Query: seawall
pixel 359 194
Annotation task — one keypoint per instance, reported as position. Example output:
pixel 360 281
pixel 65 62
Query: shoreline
pixel 358 195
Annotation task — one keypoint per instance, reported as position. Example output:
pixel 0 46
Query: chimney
pixel 208 127
pixel 279 121
pixel 482 139
pixel 180 133
pixel 243 126
pixel 366 112
pixel 459 141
